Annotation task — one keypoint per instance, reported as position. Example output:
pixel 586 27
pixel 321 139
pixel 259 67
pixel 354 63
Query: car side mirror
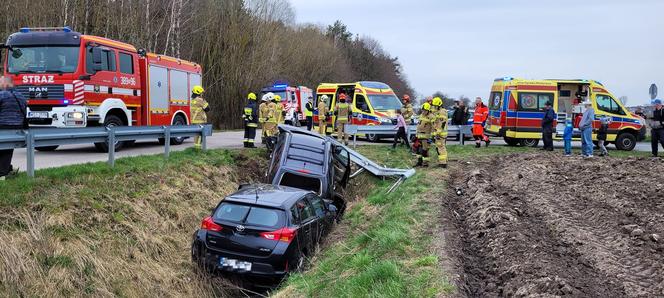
pixel 96 55
pixel 17 53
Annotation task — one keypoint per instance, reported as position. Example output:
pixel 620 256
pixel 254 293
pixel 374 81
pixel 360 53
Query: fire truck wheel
pixel 626 141
pixel 111 121
pixel 47 148
pixel 178 121
pixel 529 142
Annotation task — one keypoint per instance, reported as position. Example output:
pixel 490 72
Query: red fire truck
pixel 76 80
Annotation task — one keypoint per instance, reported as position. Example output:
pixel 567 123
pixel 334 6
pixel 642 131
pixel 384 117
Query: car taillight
pixel 304 171
pixel 208 224
pixel 283 234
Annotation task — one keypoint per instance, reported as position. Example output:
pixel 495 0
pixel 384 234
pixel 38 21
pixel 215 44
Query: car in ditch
pixel 309 161
pixel 262 230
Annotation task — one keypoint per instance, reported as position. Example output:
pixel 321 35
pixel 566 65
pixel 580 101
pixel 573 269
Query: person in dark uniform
pixel 547 127
pixel 657 125
pixel 250 121
pixel 13 107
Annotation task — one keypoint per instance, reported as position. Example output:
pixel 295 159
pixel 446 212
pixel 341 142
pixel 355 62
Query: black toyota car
pixel 262 230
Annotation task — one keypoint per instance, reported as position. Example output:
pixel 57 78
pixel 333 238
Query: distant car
pixel 308 161
pixel 262 230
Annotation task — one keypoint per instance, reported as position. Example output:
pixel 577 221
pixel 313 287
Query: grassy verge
pixel 92 230
pixel 386 242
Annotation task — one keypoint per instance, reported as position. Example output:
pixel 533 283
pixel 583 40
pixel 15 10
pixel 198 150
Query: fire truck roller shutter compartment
pixel 158 91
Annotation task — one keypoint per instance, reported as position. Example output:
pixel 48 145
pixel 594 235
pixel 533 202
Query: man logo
pixel 240 228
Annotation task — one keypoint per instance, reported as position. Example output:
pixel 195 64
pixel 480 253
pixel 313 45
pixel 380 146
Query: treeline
pixel 242 45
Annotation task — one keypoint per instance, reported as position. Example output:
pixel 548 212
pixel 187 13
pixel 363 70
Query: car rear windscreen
pixel 250 215
pixel 301 182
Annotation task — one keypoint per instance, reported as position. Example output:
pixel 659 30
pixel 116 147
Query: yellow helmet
pixel 198 90
pixel 277 98
pixel 251 96
pixel 437 101
pixel 426 106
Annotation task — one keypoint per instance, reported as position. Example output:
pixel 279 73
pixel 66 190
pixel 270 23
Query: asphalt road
pixel 78 154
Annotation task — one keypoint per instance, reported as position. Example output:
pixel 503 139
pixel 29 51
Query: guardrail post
pixel 462 139
pixel 30 147
pixel 111 146
pixel 355 141
pixel 203 138
pixel 167 141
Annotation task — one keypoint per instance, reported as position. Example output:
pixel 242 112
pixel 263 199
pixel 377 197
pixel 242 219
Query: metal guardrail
pixel 452 131
pixel 43 137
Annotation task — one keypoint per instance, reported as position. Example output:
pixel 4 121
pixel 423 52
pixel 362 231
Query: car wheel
pixel 110 121
pixel 47 148
pixel 297 263
pixel 511 141
pixel 626 141
pixel 529 142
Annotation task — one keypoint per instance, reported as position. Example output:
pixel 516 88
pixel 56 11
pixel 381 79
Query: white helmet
pixel 268 97
pixel 324 98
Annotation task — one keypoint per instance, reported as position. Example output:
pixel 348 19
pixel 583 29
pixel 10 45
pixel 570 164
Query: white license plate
pixel 235 264
pixel 38 115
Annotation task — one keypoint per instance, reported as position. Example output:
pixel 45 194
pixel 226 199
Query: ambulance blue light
pixel 66 29
pixel 66 101
pixel 280 86
pixel 507 78
pixel 24 30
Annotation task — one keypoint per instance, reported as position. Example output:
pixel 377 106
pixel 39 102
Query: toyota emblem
pixel 240 228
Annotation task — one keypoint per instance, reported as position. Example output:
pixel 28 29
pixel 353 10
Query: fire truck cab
pixel 293 99
pixel 76 80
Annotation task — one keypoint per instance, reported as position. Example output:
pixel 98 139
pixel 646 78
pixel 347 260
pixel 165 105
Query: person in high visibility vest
pixel 424 135
pixel 479 120
pixel 271 119
pixel 440 130
pixel 342 111
pixel 309 113
pixel 199 108
pixel 322 115
pixel 407 109
pixel 250 121
pixel 262 114
pixel 280 113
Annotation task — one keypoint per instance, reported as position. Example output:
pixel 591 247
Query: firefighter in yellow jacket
pixel 279 109
pixel 262 114
pixel 439 128
pixel 424 135
pixel 342 111
pixel 199 108
pixel 322 115
pixel 407 109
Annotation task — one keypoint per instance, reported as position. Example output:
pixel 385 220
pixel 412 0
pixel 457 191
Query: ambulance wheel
pixel 110 121
pixel 511 141
pixel 372 138
pixel 529 142
pixel 47 148
pixel 626 141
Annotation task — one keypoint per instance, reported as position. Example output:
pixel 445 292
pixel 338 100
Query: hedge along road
pixel 78 154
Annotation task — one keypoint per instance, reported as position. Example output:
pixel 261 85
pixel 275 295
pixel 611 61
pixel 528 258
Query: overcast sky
pixel 459 47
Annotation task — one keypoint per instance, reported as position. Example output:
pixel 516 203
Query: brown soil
pixel 542 225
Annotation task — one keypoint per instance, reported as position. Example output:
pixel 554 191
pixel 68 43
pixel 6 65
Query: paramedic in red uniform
pixel 479 119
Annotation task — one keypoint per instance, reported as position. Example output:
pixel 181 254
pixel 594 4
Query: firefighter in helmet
pixel 199 108
pixel 407 109
pixel 280 113
pixel 322 115
pixel 262 114
pixel 250 121
pixel 424 135
pixel 343 113
pixel 439 127
pixel 271 121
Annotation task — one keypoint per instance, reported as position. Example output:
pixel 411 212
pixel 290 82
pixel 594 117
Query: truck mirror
pixel 96 56
pixel 16 53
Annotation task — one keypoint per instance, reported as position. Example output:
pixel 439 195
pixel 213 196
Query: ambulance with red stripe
pixel 373 103
pixel 516 108
pixel 76 80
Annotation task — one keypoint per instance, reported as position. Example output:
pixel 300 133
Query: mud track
pixel 539 225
